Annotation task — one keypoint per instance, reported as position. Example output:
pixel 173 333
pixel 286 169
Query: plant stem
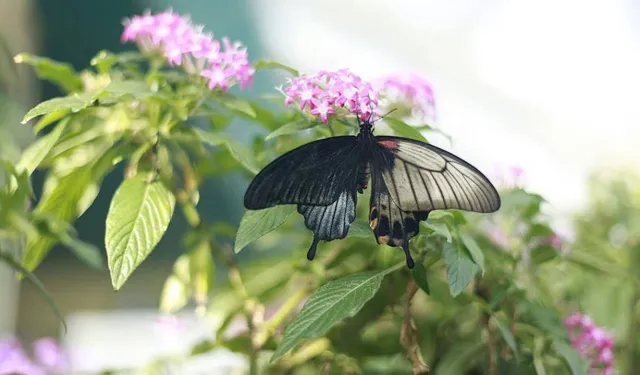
pixel 279 317
pixel 409 335
pixel 632 333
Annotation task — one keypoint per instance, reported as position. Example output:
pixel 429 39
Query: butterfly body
pixel 409 179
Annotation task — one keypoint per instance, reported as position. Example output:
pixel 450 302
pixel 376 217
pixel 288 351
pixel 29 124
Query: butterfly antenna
pixel 386 114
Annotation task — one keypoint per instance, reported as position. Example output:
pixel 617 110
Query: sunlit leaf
pixel 255 224
pixel 73 103
pixel 115 90
pixel 332 302
pixel 461 269
pixel 36 152
pixel 138 216
pixel 58 73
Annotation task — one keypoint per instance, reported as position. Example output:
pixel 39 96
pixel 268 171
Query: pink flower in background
pixel 48 353
pixel 591 341
pixel 410 91
pixel 324 92
pixel 49 357
pixel 182 43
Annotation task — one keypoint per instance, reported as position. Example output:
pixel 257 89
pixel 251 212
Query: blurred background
pixel 547 86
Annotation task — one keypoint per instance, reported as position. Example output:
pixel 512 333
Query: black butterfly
pixel 409 179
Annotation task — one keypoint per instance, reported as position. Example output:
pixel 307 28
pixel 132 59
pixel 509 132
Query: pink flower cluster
pixel 411 91
pixel 48 358
pixel 184 44
pixel 591 341
pixel 326 91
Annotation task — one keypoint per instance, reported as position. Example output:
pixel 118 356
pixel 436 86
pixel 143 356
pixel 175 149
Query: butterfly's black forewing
pixel 410 179
pixel 422 177
pixel 312 174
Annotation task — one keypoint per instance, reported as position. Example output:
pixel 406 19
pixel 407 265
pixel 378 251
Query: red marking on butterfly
pixel 390 144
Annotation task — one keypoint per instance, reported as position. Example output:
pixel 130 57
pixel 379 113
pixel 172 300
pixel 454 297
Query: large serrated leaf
pixel 139 214
pixel 255 224
pixel 332 302
pixel 460 268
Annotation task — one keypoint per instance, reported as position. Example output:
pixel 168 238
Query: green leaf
pixel 174 296
pixel 507 335
pixel 201 271
pixel 38 151
pixel 474 250
pixel 419 274
pixel 86 252
pixel 292 127
pixel 439 229
pixel 240 106
pixel 138 216
pixel 360 229
pixel 73 103
pixel 460 268
pixel 402 129
pixel 175 293
pixel 117 89
pixel 577 364
pixel 58 73
pixel 21 269
pixel 332 302
pixel 266 64
pixel 255 224
pixel 48 119
pixel 238 151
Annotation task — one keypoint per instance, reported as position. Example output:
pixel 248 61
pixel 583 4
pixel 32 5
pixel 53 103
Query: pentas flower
pixel 324 93
pixel 592 342
pixel 49 358
pixel 411 94
pixel 184 44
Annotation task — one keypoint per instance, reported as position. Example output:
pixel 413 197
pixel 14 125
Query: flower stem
pixel 409 335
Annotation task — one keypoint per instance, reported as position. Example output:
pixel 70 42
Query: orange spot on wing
pixel 392 145
pixel 383 239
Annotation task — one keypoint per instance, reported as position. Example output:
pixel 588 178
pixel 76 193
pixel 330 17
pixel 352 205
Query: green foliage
pixel 474 303
pixel 139 215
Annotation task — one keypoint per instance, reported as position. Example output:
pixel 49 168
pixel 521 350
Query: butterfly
pixel 409 179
